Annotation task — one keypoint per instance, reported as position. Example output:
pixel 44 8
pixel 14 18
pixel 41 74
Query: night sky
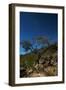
pixel 38 24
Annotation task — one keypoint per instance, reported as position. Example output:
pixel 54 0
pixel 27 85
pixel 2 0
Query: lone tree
pixel 39 41
pixel 27 45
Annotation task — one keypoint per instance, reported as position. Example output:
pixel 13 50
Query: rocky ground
pixel 47 65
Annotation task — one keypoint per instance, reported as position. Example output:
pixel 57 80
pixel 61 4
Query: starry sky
pixel 38 24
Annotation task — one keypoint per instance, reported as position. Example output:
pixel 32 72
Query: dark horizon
pixel 38 24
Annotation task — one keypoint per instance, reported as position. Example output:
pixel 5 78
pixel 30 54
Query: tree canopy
pixel 26 45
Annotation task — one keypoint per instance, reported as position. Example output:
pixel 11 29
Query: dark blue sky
pixel 38 24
